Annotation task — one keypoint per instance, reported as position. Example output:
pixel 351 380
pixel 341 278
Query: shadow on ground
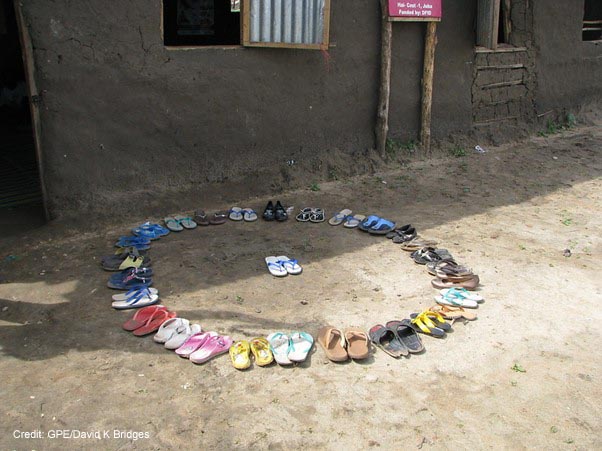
pixel 55 299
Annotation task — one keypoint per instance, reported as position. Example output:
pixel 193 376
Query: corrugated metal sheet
pixel 289 21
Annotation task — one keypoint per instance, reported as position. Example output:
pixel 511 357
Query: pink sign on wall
pixel 415 10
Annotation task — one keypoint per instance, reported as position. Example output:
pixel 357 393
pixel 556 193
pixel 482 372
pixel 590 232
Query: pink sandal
pixel 194 343
pixel 215 346
pixel 141 317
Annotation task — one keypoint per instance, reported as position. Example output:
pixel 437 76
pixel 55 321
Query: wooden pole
pixel 382 117
pixel 32 90
pixel 430 43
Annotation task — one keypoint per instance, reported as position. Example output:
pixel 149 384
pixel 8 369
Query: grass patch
pixel 394 146
pixel 553 127
pixel 517 367
pixel 458 151
pixel 314 187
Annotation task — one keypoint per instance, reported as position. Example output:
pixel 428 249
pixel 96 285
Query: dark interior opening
pixel 503 31
pixel 592 20
pixel 200 23
pixel 20 191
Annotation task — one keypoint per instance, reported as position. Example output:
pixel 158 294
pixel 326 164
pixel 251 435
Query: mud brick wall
pixel 503 86
pixel 504 79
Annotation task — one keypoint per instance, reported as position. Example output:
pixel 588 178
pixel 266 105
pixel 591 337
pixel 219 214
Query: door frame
pixel 33 97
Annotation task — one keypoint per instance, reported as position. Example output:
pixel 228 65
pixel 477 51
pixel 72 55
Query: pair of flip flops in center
pixel 282 266
pixel 376 225
pixel 396 338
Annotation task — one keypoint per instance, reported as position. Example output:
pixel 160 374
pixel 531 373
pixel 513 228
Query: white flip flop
pixel 249 214
pixel 463 293
pixel 236 214
pixel 456 301
pixel 127 295
pixel 181 335
pixel 353 221
pixel 340 217
pixel 173 224
pixel 300 345
pixel 275 267
pixel 169 328
pixel 186 222
pixel 280 346
pixel 139 299
pixel 291 266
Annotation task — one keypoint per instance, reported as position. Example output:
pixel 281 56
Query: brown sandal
pixel 333 342
pixel 416 244
pixel 218 218
pixel 358 344
pixel 468 282
pixel 201 218
pixel 453 313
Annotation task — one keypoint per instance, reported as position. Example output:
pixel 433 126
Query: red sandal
pixel 154 322
pixel 141 317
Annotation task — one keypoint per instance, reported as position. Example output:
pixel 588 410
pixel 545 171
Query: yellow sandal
pixel 261 351
pixel 423 322
pixel 240 354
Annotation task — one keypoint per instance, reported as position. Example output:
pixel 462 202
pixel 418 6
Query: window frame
pixel 245 12
pixel 489 19
pixel 591 24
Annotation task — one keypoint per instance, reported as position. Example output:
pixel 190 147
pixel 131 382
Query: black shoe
pixel 407 235
pixel 268 213
pixel 280 212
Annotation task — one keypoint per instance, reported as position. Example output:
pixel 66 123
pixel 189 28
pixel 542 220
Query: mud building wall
pixel 569 70
pixel 124 118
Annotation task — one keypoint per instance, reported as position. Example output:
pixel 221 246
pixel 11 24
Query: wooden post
pixel 382 117
pixel 33 95
pixel 430 43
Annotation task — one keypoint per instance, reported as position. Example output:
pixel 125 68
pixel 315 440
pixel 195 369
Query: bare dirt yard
pixel 524 375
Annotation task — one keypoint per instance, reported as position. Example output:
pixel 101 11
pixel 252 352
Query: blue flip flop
pixel 150 231
pixel 382 227
pixel 368 222
pixel 134 282
pixel 126 274
pixel 125 241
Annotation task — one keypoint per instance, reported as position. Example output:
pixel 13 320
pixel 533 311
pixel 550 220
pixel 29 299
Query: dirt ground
pixel 525 375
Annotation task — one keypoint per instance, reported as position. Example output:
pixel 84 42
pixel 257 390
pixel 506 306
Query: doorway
pixel 21 199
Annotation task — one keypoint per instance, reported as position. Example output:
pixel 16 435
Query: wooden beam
pixel 32 90
pixel 382 116
pixel 430 44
